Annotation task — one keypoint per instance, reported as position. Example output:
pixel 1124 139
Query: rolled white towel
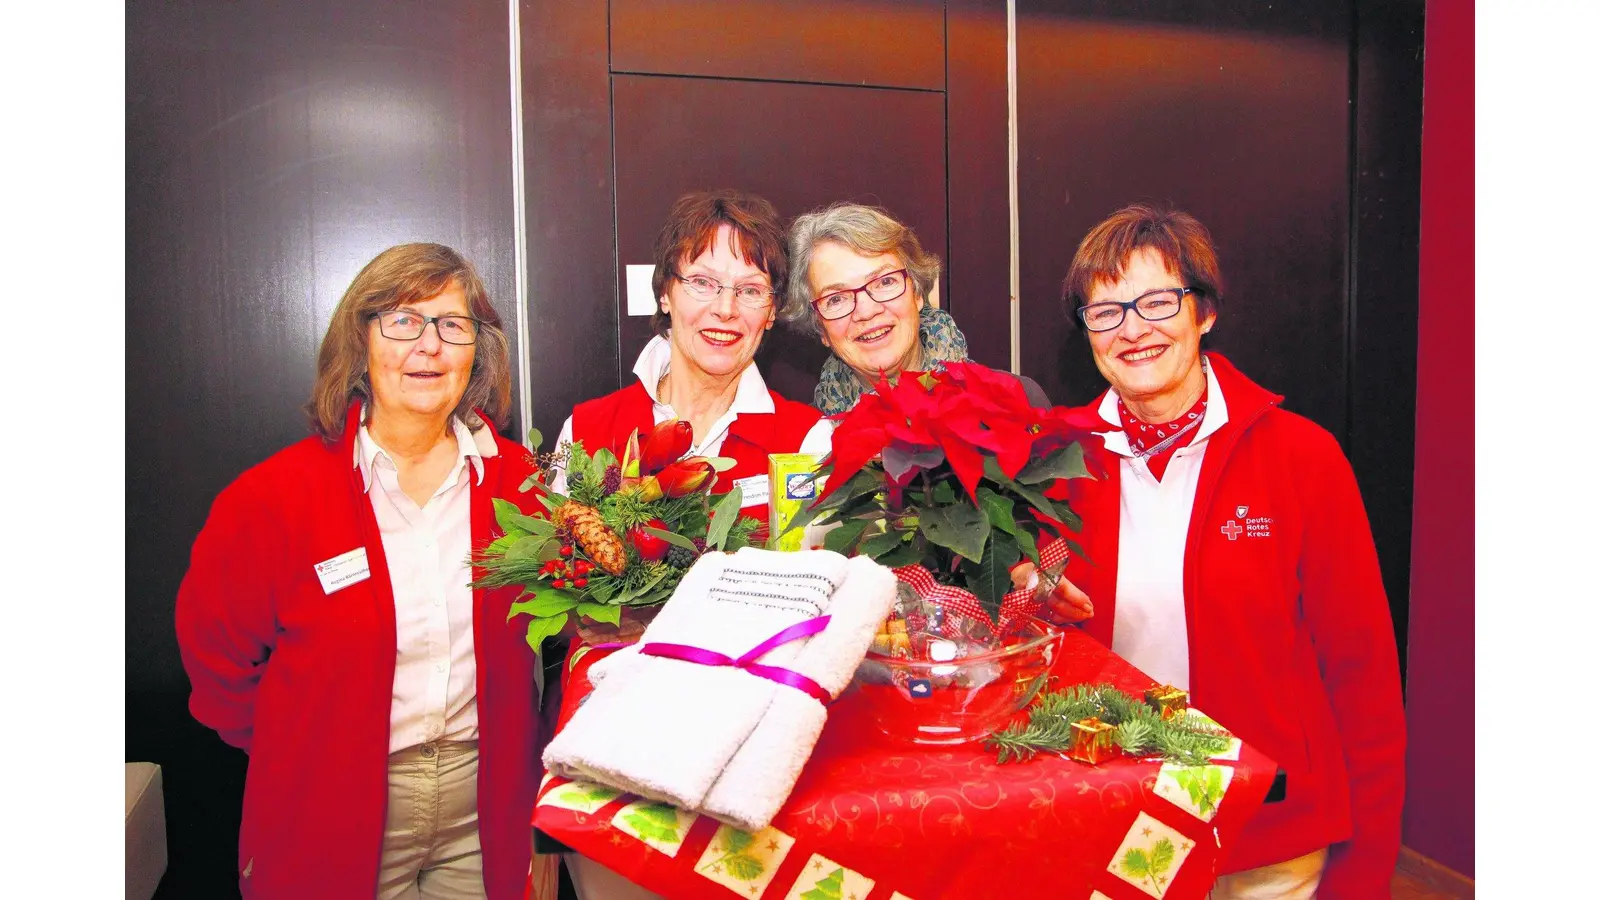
pixel 758 779
pixel 665 728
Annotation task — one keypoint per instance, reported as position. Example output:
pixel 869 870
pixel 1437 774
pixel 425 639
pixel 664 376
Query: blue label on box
pixel 799 486
pixel 920 687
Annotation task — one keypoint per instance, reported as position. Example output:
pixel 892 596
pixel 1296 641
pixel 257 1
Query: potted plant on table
pixel 611 549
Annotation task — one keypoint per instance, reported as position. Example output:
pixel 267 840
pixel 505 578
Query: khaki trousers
pixel 1294 879
pixel 430 841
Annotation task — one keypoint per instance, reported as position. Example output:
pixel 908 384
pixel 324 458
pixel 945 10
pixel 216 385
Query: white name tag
pixel 343 570
pixel 755 490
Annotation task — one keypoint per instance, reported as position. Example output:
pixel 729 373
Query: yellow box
pixel 789 491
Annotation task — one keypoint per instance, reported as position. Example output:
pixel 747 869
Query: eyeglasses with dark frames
pixel 405 325
pixel 882 289
pixel 1152 306
pixel 706 288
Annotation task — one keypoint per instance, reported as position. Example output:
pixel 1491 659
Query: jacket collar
pixel 476 446
pixel 1231 397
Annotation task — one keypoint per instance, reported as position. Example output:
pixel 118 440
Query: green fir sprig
pixel 1141 731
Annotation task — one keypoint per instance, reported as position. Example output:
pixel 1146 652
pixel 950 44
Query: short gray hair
pixel 867 230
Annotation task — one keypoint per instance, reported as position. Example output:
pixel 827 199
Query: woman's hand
pixel 1066 604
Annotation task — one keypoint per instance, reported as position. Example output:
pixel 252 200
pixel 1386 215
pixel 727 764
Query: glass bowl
pixel 952 678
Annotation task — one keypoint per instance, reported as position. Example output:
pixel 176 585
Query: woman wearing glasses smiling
pixel 327 625
pixel 719 260
pixel 1233 559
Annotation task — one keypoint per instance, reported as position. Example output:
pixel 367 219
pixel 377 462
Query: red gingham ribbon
pixel 1018 602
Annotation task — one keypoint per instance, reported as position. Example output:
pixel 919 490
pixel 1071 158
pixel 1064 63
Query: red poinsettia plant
pixel 953 470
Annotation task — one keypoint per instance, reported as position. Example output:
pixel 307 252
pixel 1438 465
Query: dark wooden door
pixel 273 149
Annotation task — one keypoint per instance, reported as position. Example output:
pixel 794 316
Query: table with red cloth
pixel 875 819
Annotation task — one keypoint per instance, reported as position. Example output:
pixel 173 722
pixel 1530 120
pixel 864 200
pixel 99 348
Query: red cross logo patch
pixel 1232 530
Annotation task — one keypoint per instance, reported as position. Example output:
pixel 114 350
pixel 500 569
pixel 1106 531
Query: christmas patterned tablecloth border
pixel 876 820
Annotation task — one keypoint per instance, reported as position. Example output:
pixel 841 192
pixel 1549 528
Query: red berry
pixel 566 550
pixel 558 584
pixel 581 582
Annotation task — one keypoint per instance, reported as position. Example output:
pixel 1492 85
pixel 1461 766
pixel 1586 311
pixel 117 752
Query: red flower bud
pixel 581 582
pixel 685 476
pixel 667 441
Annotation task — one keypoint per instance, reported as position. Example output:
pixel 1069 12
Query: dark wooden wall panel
pixel 886 43
pixel 1247 130
pixel 572 281
pixel 1384 248
pixel 272 151
pixel 679 134
pixel 977 280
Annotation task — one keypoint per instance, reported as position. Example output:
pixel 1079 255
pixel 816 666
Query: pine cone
pixel 591 533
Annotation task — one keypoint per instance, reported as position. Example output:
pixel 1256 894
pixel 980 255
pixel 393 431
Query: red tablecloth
pixel 873 819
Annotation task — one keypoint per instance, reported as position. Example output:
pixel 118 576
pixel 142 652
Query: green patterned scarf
pixel 942 342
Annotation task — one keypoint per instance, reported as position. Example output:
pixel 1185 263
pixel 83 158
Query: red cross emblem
pixel 1232 530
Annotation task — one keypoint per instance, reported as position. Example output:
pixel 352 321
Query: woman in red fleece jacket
pixel 1231 556
pixel 327 625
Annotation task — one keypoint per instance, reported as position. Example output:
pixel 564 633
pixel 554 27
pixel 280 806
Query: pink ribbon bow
pixel 748 662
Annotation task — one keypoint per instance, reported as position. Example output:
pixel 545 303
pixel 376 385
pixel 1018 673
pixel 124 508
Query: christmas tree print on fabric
pixel 1195 789
pixel 659 825
pixel 742 862
pixel 1151 854
pixel 824 879
pixel 580 796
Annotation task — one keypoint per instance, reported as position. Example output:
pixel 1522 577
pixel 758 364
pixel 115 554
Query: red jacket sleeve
pixel 1348 614
pixel 225 619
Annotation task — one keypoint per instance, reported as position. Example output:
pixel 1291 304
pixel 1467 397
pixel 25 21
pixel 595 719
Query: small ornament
pixel 1093 741
pixel 1169 700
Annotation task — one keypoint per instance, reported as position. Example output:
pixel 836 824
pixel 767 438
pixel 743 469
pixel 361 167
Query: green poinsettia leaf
pixel 545 602
pixel 990 578
pixel 722 517
pixel 906 554
pixel 958 527
pixel 944 492
pixel 600 612
pixel 541 628
pixel 864 483
pixel 744 868
pixel 997 510
pixel 1067 462
pixel 842 538
pixel 676 540
pixel 879 544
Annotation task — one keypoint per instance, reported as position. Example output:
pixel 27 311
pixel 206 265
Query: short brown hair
pixel 1179 237
pixel 407 273
pixel 692 225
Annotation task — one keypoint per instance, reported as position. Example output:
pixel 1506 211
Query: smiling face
pixel 1151 365
pixel 425 377
pixel 876 336
pixel 716 337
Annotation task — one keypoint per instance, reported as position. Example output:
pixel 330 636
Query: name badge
pixel 755 488
pixel 343 570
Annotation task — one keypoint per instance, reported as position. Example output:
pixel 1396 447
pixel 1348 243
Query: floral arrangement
pixel 955 471
pixel 621 537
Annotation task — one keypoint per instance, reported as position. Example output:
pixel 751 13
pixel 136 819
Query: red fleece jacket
pixel 301 680
pixel 1290 641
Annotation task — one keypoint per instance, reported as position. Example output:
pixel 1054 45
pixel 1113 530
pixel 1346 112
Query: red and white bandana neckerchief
pixel 1155 444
